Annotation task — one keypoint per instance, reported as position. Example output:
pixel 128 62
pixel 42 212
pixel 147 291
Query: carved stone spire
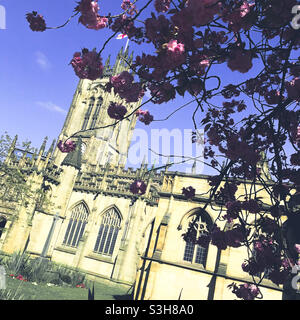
pixel 11 149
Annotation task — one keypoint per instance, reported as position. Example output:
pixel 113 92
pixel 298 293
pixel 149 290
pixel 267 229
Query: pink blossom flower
pixel 235 236
pixel 278 276
pixel 245 291
pixel 239 18
pixel 129 7
pixel 233 209
pixel 36 21
pixel 138 187
pixel 155 29
pixel 295 159
pixel 204 240
pixel 174 57
pixel 162 5
pixel 162 92
pixel 218 238
pixel 252 206
pixel 189 192
pixel 89 15
pixel 202 12
pixel 174 46
pixel 272 97
pixel 268 225
pixel 123 85
pixel 240 60
pixel 144 116
pixel 275 211
pixel 293 89
pixel 125 25
pixel 67 146
pixel 87 65
pixel 252 267
pixel 116 111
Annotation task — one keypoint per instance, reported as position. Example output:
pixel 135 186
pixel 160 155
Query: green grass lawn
pixel 29 291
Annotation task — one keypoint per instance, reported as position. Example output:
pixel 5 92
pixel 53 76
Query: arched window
pixel 76 226
pixel 96 113
pixel 2 224
pixel 195 253
pixel 108 232
pixel 88 113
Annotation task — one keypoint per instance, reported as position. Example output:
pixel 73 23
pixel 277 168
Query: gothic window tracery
pixel 194 253
pixel 108 232
pixel 76 226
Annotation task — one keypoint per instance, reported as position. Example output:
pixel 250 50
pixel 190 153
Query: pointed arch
pixel 193 212
pixel 108 208
pixel 79 202
pixel 108 231
pixel 193 252
pixel 76 225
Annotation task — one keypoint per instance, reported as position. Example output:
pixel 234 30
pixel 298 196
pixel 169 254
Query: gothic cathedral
pixel 91 221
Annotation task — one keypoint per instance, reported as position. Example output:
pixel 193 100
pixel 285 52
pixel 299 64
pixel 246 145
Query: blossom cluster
pixel 266 257
pixel 89 15
pixel 116 111
pixel 246 291
pixel 36 21
pixel 144 116
pixel 67 146
pixel 138 187
pixel 124 86
pixel 129 7
pixel 87 64
pixel 233 237
pixel 162 5
pixel 189 192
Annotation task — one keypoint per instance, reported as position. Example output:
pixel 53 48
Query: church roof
pixel 73 158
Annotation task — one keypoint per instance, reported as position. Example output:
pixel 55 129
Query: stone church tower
pixel 93 221
pixel 88 110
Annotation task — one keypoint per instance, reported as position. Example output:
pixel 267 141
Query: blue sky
pixel 37 84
